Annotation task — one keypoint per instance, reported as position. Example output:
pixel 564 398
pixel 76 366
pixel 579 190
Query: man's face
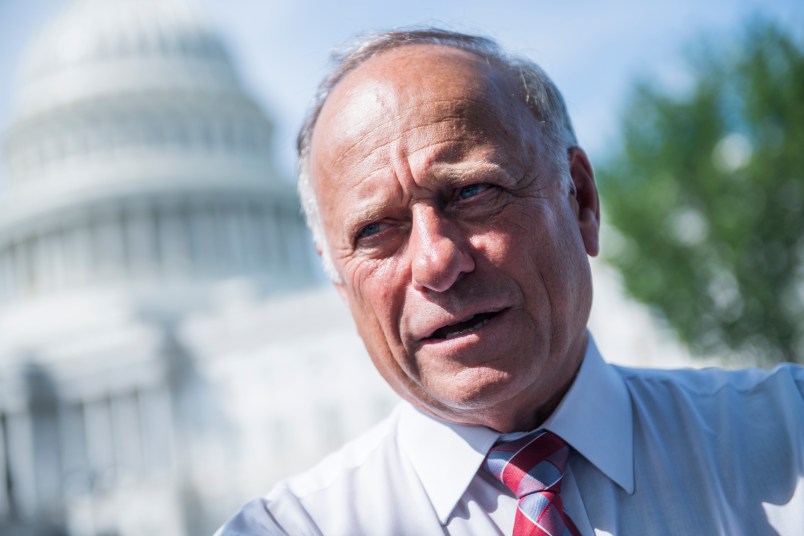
pixel 460 245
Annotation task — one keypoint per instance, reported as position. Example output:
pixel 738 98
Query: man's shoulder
pixel 751 397
pixel 374 446
pixel 735 436
pixel 712 381
pixel 327 497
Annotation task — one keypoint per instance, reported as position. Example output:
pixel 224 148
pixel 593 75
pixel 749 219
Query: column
pixel 77 477
pixel 174 240
pixel 5 492
pixel 79 251
pixel 126 434
pixel 21 463
pixel 5 275
pixel 155 414
pixel 107 232
pixel 139 238
pixel 100 448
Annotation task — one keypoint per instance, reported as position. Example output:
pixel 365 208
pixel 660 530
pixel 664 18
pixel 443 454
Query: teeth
pixel 479 325
pixel 462 327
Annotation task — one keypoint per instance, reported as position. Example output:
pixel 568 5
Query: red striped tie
pixel 532 467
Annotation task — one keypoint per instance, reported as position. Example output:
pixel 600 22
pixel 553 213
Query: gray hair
pixel 541 95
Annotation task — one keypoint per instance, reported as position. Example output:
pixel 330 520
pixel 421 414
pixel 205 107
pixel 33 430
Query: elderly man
pixel 454 211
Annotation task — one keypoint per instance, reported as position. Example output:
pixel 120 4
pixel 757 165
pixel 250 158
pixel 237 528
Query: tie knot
pixel 533 463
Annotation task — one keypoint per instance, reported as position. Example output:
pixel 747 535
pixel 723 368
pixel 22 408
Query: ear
pixel 586 199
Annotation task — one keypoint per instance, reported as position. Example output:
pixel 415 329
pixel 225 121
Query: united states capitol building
pixel 167 349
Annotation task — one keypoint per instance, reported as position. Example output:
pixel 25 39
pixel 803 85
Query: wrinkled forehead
pixel 405 84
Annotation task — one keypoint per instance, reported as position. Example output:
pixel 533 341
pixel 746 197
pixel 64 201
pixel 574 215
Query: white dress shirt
pixel 683 452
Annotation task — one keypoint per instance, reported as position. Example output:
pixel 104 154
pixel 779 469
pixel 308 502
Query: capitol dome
pixel 104 47
pixel 137 160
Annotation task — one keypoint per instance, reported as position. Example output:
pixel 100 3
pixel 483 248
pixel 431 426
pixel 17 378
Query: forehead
pixel 414 72
pixel 411 69
pixel 409 86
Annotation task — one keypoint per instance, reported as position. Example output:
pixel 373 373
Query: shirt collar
pixel 594 417
pixel 449 458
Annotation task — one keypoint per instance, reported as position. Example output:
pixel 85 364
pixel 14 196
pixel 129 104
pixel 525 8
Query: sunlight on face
pixel 462 255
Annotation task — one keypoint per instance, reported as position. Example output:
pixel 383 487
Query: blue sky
pixel 593 50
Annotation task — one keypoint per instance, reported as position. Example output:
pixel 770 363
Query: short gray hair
pixel 541 95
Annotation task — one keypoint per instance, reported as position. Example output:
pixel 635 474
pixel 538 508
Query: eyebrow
pixel 362 215
pixel 365 212
pixel 462 172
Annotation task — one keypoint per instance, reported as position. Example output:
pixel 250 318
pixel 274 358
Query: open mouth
pixel 461 328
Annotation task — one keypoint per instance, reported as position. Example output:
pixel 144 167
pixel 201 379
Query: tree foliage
pixel 706 197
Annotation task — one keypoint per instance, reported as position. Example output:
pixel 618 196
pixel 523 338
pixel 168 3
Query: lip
pixel 484 317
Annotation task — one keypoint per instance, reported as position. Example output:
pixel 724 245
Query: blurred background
pixel 169 347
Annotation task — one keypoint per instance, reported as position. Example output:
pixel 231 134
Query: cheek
pixel 376 300
pixel 563 267
pixel 513 250
pixel 374 295
pixel 538 255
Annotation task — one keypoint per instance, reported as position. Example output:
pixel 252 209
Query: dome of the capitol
pixel 91 30
pixel 98 48
pixel 136 157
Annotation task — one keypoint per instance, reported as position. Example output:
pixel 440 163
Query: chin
pixel 463 398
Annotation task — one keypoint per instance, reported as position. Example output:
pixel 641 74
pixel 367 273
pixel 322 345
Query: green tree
pixel 706 198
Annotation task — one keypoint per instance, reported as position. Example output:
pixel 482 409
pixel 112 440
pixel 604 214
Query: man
pixel 454 211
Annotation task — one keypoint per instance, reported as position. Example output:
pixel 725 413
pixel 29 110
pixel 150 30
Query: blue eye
pixel 468 192
pixel 370 229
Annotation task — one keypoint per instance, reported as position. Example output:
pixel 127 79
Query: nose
pixel 440 252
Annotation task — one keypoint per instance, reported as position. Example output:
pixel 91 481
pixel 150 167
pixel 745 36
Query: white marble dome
pixel 136 158
pixel 100 48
